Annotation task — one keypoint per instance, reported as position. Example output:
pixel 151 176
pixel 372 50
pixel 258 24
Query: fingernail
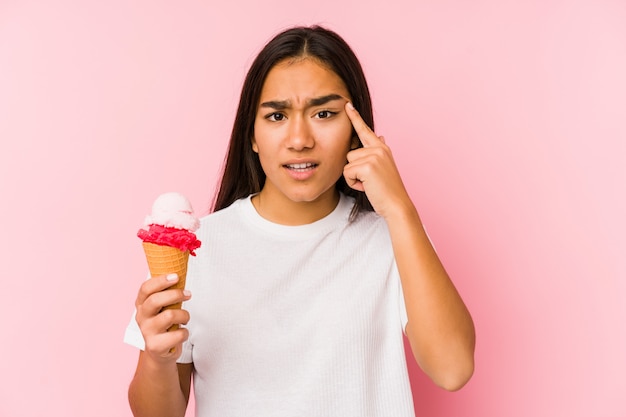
pixel 171 277
pixel 350 106
pixel 187 293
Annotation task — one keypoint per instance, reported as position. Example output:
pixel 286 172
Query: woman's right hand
pixel 162 346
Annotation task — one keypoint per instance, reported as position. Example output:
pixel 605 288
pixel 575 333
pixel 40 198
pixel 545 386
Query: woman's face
pixel 301 131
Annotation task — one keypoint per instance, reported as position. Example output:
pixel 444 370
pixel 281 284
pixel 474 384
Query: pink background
pixel 507 119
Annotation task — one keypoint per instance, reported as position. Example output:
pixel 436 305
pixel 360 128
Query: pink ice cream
pixel 171 223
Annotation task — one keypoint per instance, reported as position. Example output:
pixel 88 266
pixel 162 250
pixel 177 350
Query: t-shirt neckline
pixel 339 214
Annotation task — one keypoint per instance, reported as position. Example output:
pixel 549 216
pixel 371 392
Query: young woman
pixel 313 263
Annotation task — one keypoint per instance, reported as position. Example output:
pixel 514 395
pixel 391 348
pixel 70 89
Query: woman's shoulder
pixel 224 217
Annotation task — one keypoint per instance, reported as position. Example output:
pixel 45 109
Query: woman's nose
pixel 300 135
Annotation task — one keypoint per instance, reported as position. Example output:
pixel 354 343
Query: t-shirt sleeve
pixel 186 356
pixel 133 335
pixel 404 318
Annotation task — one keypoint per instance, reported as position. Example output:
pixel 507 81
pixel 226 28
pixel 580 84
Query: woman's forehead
pixel 301 81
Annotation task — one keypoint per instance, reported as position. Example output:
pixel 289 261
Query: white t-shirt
pixel 295 320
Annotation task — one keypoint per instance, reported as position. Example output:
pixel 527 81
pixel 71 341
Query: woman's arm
pixel 440 328
pixel 158 390
pixel 160 387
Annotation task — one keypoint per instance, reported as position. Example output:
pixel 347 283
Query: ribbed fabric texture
pixel 296 320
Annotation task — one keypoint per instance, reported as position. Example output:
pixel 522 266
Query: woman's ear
pixel 255 148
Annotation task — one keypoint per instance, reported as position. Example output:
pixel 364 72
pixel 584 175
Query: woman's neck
pixel 279 209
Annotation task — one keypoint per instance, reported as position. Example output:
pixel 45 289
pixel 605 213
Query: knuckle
pixel 168 315
pixel 154 346
pixel 148 303
pixel 185 316
pixel 185 334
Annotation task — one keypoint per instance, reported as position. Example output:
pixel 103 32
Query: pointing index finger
pixel 367 136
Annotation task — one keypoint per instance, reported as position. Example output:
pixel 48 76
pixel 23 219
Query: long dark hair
pixel 243 174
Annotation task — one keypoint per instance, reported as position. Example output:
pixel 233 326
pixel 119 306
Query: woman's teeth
pixel 304 166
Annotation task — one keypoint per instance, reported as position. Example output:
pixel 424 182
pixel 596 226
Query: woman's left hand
pixel 372 169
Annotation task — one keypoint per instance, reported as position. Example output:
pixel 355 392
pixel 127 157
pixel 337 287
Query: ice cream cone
pixel 163 260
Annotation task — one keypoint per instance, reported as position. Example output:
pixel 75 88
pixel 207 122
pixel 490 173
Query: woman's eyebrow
pixel 316 101
pixel 277 105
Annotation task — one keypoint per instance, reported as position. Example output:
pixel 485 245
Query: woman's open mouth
pixel 303 167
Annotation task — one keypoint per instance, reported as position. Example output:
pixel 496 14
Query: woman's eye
pixel 275 117
pixel 324 114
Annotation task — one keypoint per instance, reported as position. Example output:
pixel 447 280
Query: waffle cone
pixel 163 260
